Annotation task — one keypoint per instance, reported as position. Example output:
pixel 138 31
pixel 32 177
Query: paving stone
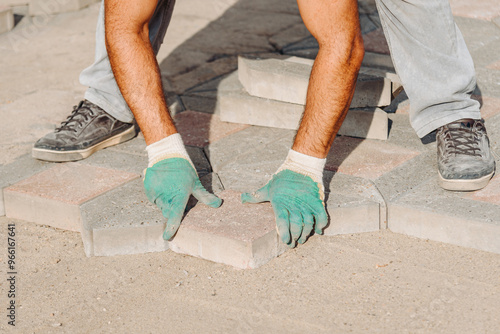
pixel 305 44
pixel 241 235
pixel 402 134
pixel 354 205
pixel 131 156
pixel 22 168
pixel 375 41
pixel 477 33
pixel 122 221
pixel 479 9
pixel 366 23
pixel 366 123
pixel 230 148
pixel 289 36
pixel 200 129
pixel 397 85
pixel 367 6
pixel 310 53
pixel 378 60
pixel 235 105
pixel 281 6
pixel 496 20
pixel 199 103
pixel 287 81
pixel 430 212
pixel 6 19
pixel 204 72
pixel 252 169
pixel 44 7
pixel 366 158
pixel 53 197
pixel 490 106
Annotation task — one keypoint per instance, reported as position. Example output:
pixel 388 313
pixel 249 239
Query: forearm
pixel 333 78
pixel 136 70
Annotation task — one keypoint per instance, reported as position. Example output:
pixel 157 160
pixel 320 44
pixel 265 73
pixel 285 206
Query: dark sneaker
pixel 465 162
pixel 87 130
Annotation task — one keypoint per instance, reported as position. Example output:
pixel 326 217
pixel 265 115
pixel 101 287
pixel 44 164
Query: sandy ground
pixel 373 282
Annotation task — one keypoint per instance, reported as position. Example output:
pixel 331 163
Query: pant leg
pixel 99 77
pixel 432 60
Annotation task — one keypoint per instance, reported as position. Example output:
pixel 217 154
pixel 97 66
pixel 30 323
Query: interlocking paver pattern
pixel 370 184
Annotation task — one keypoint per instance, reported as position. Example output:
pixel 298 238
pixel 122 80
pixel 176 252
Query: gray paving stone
pixel 366 23
pixel 18 170
pixel 477 33
pixel 354 205
pixel 6 19
pixel 310 53
pixel 42 7
pixel 496 20
pixel 289 36
pixel 199 103
pixel 252 169
pixel 122 221
pixel 237 106
pixel 430 212
pixel 240 235
pixel 287 81
pixel 230 148
pixel 369 123
pixel 132 156
pixel 402 134
pixel 307 43
pixel 378 60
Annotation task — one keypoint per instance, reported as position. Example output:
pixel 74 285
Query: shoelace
pixel 460 140
pixel 73 120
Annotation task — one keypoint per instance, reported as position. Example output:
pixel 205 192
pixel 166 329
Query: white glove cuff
pixel 305 165
pixel 169 147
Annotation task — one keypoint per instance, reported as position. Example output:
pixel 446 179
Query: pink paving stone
pixel 53 196
pixel 490 106
pixel 365 158
pixel 489 194
pixel 240 235
pixel 478 9
pixel 200 129
pixel 375 41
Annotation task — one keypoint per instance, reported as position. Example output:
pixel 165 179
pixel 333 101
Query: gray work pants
pixel 427 48
pixel 99 77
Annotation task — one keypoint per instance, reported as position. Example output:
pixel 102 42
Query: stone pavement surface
pixel 377 280
pixel 218 65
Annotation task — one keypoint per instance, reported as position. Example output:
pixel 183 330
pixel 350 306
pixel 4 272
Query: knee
pixel 347 49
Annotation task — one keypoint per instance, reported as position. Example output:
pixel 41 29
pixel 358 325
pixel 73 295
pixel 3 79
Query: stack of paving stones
pixel 272 92
pixel 370 184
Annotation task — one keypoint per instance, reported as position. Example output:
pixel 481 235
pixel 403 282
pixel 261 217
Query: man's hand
pixel 297 203
pixel 168 184
pixel 296 194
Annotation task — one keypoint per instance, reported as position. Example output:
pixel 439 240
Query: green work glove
pixel 296 194
pixel 169 182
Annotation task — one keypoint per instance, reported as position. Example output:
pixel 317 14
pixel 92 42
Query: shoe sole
pixel 63 156
pixel 465 185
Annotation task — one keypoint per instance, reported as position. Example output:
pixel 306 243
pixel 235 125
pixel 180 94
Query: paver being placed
pixel 53 197
pixel 236 105
pixel 123 221
pixel 44 7
pixel 354 205
pixel 463 219
pixel 241 235
pixel 287 81
pixel 6 19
